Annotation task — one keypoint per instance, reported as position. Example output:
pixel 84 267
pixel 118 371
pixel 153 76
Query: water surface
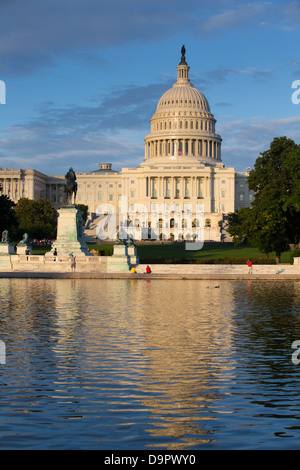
pixel 167 365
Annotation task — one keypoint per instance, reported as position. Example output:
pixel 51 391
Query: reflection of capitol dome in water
pixel 183 125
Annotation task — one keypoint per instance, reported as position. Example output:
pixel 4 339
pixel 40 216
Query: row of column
pixel 207 148
pixel 55 193
pixel 177 187
pixel 14 188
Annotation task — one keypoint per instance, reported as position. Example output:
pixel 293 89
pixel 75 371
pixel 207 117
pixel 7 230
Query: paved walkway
pixel 153 276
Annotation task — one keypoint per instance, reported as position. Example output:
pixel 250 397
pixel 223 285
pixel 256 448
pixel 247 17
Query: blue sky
pixel 83 77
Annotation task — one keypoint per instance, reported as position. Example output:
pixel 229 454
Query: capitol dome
pixel 183 126
pixel 184 97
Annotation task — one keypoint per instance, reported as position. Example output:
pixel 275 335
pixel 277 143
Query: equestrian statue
pixel 71 186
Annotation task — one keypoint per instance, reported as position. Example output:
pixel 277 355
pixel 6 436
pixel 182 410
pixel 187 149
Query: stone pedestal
pixel 69 234
pixel 21 249
pixel 7 250
pixel 123 259
pixel 132 255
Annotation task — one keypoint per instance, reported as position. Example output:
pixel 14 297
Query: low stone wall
pixel 222 269
pixel 36 263
pixel 104 264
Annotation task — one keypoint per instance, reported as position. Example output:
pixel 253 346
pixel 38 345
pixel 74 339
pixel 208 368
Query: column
pixel 194 187
pixel 160 189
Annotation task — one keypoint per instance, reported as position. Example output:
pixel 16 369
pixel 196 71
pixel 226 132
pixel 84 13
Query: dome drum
pixel 181 146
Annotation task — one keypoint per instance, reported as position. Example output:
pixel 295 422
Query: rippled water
pixel 167 365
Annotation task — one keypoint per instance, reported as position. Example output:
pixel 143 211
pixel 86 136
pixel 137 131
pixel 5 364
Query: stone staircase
pixel 90 229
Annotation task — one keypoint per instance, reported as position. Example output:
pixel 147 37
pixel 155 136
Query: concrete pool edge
pixel 153 276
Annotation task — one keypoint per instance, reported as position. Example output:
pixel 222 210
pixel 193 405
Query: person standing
pixel 250 269
pixel 27 253
pixel 73 263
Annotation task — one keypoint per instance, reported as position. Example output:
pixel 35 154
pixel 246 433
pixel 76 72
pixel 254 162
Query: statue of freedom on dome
pixel 183 61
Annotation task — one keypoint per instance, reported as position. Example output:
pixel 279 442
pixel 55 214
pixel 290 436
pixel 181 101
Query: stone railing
pixel 40 263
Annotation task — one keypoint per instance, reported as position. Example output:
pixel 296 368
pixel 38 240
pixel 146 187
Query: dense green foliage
pixel 273 221
pixel 84 210
pixel 37 218
pixel 8 217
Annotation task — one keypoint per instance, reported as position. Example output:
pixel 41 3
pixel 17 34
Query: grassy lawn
pixel 148 251
pixel 151 252
pixel 40 250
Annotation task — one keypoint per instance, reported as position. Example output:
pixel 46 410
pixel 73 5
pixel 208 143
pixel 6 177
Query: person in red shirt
pixel 148 270
pixel 249 263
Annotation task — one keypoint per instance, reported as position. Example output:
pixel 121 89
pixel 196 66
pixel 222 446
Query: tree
pixel 37 218
pixel 84 209
pixel 8 217
pixel 273 221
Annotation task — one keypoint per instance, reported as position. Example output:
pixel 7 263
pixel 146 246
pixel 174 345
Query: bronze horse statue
pixel 71 186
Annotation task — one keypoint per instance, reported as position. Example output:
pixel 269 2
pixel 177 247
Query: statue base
pixel 21 249
pixel 7 250
pixel 123 259
pixel 69 234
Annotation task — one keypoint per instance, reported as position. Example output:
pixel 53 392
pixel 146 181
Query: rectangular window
pixel 111 196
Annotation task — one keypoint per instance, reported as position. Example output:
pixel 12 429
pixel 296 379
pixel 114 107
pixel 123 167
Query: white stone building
pixel 182 174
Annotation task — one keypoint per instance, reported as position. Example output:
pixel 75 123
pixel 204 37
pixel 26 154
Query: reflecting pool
pixel 149 364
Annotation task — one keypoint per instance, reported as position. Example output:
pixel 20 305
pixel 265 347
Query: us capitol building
pixel 182 168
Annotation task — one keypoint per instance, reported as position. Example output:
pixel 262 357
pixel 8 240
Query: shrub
pixel 292 255
pixel 106 250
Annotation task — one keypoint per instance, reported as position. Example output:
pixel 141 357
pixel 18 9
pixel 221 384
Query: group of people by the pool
pixel 148 270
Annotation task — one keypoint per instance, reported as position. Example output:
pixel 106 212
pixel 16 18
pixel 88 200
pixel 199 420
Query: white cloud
pixel 244 140
pixel 233 17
